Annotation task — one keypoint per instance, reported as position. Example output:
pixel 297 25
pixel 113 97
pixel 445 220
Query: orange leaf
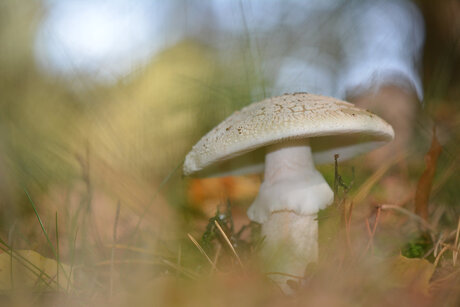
pixel 411 272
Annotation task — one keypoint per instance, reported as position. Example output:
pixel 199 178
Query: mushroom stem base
pixel 291 243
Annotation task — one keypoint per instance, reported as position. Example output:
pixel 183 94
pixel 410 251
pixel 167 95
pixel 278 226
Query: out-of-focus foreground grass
pixel 101 167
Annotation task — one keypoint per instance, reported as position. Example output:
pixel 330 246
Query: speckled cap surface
pixel 237 145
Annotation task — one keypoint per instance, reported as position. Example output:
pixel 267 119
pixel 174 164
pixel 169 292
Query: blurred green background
pixel 82 148
pixel 76 141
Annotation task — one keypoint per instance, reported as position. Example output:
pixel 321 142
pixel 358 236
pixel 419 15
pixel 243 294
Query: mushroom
pixel 284 137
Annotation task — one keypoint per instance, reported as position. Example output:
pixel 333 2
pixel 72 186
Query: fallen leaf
pixel 29 269
pixel 207 193
pixel 414 273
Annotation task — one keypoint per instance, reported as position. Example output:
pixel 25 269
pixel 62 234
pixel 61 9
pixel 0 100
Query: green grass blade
pixel 44 231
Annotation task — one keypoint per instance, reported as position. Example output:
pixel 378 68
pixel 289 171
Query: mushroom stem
pixel 292 193
pixel 291 243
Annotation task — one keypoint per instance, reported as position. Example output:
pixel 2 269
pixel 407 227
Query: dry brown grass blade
pixel 422 193
pixel 217 254
pixel 439 242
pixel 347 213
pixel 137 250
pixel 284 274
pixel 438 258
pixel 179 257
pixel 365 188
pixel 108 263
pixel 229 243
pixel 415 217
pixel 456 245
pixel 445 176
pixel 202 251
pixel 371 233
pixel 180 269
pixel 112 253
pixel 446 278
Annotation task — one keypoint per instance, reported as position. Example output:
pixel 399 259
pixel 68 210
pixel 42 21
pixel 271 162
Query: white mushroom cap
pixel 236 146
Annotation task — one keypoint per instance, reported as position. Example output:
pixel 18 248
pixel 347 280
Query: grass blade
pixel 229 243
pixel 57 249
pixel 202 251
pixel 112 254
pixel 44 231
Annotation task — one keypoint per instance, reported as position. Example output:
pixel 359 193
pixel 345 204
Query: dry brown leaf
pixel 422 193
pixel 29 269
pixel 411 272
